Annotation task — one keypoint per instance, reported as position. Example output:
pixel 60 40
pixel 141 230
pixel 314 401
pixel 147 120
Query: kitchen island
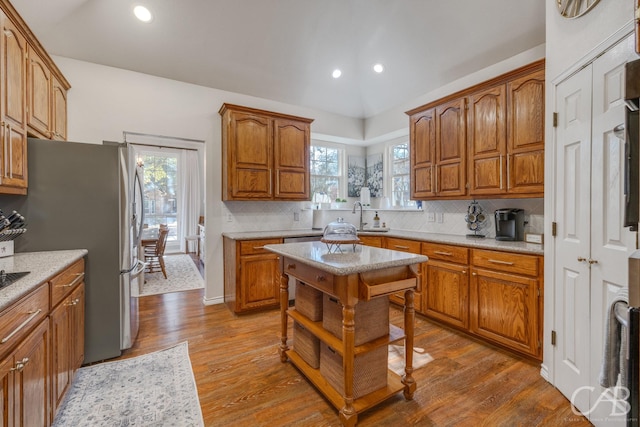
pixel 356 274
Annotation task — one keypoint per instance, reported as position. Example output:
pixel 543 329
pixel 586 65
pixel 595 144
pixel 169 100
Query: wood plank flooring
pixel 241 381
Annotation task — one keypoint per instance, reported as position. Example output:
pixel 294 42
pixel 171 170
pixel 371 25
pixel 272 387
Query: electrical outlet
pixel 229 217
pixel 440 217
pixel 296 216
pixel 431 217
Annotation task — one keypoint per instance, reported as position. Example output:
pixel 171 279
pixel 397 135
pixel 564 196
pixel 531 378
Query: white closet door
pixel 611 243
pixel 573 182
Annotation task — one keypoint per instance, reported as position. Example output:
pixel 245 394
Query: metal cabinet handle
pixel 320 278
pixel 497 261
pixel 258 247
pixel 10 152
pixel 79 277
pixel 443 253
pixel 592 261
pixel 291 266
pixel 581 259
pixel 501 156
pixel 33 314
pixel 400 247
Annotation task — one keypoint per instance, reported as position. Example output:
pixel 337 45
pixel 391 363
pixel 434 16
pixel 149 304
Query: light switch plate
pixel 534 238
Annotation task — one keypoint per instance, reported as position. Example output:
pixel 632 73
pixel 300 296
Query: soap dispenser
pixel 376 221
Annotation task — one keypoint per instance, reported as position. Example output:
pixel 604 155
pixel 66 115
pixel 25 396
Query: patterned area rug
pixel 182 275
pixel 396 358
pixel 155 389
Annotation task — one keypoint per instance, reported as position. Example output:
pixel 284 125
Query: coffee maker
pixel 510 224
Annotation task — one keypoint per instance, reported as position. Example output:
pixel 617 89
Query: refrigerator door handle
pixel 136 269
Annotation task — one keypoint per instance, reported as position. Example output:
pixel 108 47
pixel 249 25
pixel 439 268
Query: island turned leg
pixel 284 305
pixel 409 317
pixel 348 415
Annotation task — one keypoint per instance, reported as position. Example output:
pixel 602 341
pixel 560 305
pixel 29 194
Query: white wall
pixel 104 101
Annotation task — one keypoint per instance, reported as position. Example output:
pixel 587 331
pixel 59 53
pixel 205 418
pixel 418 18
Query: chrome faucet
pixel 362 224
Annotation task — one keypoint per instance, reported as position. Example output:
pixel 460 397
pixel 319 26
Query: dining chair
pixel 154 254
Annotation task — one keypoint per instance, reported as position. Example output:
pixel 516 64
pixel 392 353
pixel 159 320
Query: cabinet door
pixel 291 143
pixel 58 111
pixel 38 95
pixel 525 130
pixel 250 156
pixel 504 309
pixel 61 339
pixel 487 141
pixel 450 177
pixel 422 152
pixel 260 279
pixel 13 76
pixel 7 402
pixel 446 293
pixel 32 379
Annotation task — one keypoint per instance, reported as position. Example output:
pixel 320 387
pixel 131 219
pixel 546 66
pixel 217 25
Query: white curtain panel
pixel 190 206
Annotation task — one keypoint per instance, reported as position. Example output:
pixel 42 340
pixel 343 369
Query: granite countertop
pixel 350 261
pixel 451 239
pixel 42 267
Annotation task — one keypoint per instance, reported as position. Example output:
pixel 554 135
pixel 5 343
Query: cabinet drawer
pixel 253 247
pixel 506 261
pixel 403 245
pixel 449 253
pixel 23 316
pixel 65 282
pixel 311 276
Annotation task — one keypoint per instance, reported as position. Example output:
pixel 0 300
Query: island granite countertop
pixel 451 239
pixel 41 266
pixel 350 261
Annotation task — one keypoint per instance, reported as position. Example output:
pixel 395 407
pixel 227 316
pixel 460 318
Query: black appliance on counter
pixel 509 224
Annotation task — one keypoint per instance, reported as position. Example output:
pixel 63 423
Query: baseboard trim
pixel 213 301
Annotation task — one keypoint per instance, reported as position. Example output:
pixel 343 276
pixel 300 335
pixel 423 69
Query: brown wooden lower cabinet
pixel 446 293
pixel 493 295
pixel 251 275
pixel 42 349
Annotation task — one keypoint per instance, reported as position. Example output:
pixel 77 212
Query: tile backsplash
pixel 262 216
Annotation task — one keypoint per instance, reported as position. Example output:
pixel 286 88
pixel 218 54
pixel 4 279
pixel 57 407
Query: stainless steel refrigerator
pixel 89 196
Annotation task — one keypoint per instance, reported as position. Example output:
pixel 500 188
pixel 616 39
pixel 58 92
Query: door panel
pixel 611 243
pixel 573 148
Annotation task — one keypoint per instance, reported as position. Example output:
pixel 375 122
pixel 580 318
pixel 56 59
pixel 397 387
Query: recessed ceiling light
pixel 378 68
pixel 142 13
pixel 336 73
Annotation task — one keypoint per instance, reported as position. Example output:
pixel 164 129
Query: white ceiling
pixel 285 50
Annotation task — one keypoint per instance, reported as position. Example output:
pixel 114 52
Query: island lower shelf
pixel 394 385
pixel 395 334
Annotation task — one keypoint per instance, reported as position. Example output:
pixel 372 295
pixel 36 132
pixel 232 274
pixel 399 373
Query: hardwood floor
pixel 241 381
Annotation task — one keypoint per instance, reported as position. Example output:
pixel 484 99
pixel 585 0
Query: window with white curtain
pixel 326 174
pixel 399 174
pixel 172 184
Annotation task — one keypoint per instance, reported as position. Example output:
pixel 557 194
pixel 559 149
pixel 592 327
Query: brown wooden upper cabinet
pixel 484 141
pixel 265 155
pixel 32 98
pixel 13 137
pixel 46 98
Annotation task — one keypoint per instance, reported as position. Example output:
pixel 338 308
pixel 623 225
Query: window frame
pixel 341 177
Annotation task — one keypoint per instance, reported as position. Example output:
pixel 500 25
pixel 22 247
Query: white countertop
pixel 451 239
pixel 42 267
pixel 350 261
